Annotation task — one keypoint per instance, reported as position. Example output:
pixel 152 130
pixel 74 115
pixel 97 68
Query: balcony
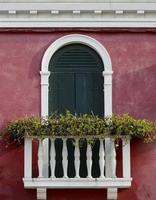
pixel 70 163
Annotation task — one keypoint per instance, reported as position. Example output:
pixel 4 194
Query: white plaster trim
pixel 77 6
pixel 77 38
pixel 79 23
pixel 120 15
pixel 113 22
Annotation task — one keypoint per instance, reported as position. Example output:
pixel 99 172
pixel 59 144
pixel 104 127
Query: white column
pixel 40 158
pixel 108 112
pixel 126 158
pixel 44 113
pixel 46 157
pixel 113 159
pixel 107 92
pixel 77 158
pixel 52 158
pixel 27 157
pixel 102 159
pixel 65 154
pixel 89 160
pixel 44 92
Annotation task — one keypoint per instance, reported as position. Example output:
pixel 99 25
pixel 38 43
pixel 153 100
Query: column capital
pixel 45 77
pixel 107 73
pixel 44 73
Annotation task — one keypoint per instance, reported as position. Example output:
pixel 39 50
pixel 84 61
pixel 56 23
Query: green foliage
pixel 24 127
pixel 82 126
pixel 132 127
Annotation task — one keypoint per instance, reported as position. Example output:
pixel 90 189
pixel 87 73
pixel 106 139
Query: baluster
pixel 89 160
pixel 113 159
pixel 65 161
pixel 52 158
pixel 40 158
pixel 102 159
pixel 77 158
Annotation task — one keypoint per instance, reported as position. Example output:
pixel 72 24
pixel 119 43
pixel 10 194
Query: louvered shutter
pixel 76 81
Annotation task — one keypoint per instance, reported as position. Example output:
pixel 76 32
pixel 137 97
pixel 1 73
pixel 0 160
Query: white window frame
pixel 92 43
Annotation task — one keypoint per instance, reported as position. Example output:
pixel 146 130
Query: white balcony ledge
pixel 77 183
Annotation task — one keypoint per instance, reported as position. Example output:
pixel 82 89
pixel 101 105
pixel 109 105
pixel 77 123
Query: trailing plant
pixel 82 126
pixel 132 127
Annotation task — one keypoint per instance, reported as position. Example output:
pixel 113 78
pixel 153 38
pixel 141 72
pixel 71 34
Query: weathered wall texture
pixel 134 91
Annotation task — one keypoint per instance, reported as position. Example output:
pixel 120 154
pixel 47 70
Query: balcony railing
pixel 86 172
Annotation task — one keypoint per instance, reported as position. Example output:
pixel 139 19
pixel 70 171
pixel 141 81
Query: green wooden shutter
pixel 76 81
pixel 61 92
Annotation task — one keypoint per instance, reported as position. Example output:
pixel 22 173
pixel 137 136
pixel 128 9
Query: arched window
pixel 76 81
pixel 98 62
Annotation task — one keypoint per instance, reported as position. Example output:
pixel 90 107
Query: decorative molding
pixel 54 12
pixel 33 12
pixel 76 11
pixel 98 12
pixel 119 12
pixel 12 12
pixel 77 38
pixel 77 15
pixel 140 12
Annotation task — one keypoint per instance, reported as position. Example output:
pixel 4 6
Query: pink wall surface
pixel 133 58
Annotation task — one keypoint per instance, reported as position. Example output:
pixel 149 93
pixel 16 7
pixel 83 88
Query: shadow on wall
pixel 77 194
pixel 135 93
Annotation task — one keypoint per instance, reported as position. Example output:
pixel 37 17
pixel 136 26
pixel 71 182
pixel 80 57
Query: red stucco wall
pixel 134 91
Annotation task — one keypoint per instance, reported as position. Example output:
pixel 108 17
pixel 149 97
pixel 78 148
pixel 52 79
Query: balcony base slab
pixel 58 183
